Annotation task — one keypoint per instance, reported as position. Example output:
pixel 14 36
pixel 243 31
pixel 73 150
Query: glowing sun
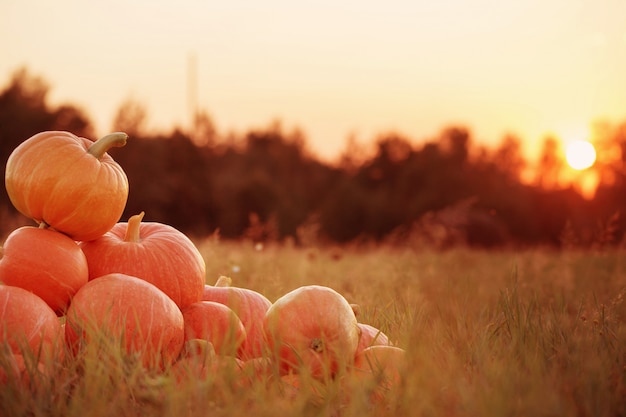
pixel 580 154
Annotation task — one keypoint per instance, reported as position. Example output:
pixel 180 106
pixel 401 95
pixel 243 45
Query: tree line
pixel 266 185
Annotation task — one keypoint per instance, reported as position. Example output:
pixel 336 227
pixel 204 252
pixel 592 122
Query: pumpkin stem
pixel 356 309
pixel 223 281
pixel 132 229
pixel 112 140
pixel 317 345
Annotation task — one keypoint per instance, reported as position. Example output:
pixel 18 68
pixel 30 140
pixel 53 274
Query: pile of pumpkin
pixel 83 273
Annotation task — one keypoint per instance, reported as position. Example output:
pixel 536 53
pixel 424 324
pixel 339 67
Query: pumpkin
pixel 258 370
pixel 44 262
pixel 370 336
pixel 155 252
pixel 22 371
pixel 199 361
pixel 131 311
pixel 297 385
pixel 67 182
pixel 312 329
pixel 381 368
pixel 28 325
pixel 249 305
pixel 215 323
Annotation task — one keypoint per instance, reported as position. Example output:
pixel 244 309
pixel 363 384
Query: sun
pixel 580 154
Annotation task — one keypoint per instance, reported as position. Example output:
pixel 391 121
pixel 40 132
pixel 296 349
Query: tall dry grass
pixel 499 333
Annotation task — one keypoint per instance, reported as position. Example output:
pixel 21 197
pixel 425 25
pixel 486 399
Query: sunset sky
pixel 332 68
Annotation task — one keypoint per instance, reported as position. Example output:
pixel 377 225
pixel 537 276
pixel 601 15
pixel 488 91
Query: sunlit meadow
pixel 499 333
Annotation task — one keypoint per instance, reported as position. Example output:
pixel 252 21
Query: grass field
pixel 504 333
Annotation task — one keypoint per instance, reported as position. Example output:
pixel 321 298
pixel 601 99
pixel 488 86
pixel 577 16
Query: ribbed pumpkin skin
pixel 312 329
pixel 130 309
pixel 370 336
pixel 51 178
pixel 250 306
pixel 46 263
pixel 27 322
pixel 215 323
pixel 162 255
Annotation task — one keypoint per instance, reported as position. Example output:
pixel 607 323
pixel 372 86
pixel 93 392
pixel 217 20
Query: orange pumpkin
pixel 155 252
pixel 313 329
pixel 28 325
pixel 380 358
pixel 258 370
pixel 44 262
pixel 69 183
pixel 125 308
pixel 381 368
pixel 370 336
pixel 199 361
pixel 215 323
pixel 19 370
pixel 249 305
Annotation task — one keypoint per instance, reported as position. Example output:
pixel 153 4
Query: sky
pixel 332 68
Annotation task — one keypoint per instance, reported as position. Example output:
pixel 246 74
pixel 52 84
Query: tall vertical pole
pixel 192 91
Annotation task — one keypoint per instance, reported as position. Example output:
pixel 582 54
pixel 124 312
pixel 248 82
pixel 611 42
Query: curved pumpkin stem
pixel 223 281
pixel 132 230
pixel 112 140
pixel 356 309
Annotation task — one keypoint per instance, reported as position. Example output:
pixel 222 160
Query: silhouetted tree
pixel 265 184
pixel 353 155
pixel 610 196
pixel 272 176
pixel 454 143
pixel 550 164
pixel 204 132
pixel 508 158
pixel 169 180
pixel 130 117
